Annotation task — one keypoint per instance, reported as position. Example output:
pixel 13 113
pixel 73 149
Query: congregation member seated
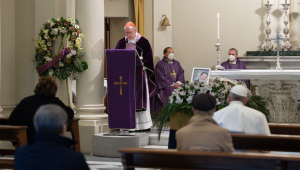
pixel 51 150
pixel 24 112
pixel 203 133
pixel 238 118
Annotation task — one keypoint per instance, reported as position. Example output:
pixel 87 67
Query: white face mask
pixel 171 56
pixel 231 57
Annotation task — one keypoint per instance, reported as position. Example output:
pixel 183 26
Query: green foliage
pixel 179 101
pixel 68 65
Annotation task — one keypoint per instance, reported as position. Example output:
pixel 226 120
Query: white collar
pixel 232 62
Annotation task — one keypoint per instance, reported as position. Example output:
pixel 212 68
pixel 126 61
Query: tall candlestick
pixel 218 17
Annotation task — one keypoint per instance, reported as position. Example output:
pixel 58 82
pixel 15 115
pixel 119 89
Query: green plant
pixel 180 100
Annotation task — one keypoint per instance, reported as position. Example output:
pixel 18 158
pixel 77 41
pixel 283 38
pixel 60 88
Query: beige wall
pixel 117 25
pixel 162 36
pixel 242 25
pixel 149 21
pixel 8 51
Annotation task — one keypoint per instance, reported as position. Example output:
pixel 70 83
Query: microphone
pixel 141 56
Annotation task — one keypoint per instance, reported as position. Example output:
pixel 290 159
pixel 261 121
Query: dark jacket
pixel 49 152
pixel 24 112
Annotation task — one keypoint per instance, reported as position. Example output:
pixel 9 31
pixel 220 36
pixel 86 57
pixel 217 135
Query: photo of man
pixel 200 75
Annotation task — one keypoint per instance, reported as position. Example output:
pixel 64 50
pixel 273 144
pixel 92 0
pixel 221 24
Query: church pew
pixel 288 143
pixel 73 128
pixel 11 133
pixel 7 163
pixel 285 129
pixel 173 159
pixel 14 134
pixel 3 121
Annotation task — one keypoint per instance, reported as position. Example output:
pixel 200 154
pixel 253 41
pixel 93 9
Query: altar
pixel 280 88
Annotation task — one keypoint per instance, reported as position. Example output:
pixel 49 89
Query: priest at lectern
pixel 133 40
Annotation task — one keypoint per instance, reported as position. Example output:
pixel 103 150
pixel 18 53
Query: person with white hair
pixel 51 149
pixel 238 118
pixel 145 87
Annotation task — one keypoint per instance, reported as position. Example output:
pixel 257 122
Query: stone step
pixel 164 138
pixel 107 146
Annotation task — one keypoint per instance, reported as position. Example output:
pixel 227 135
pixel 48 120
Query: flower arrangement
pixel 69 61
pixel 181 98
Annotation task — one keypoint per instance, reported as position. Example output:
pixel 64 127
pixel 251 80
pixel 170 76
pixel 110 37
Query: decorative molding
pixel 282 97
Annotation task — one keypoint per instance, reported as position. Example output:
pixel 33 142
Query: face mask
pixel 171 56
pixel 231 57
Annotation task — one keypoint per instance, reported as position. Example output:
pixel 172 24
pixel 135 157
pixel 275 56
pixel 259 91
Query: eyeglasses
pixel 128 32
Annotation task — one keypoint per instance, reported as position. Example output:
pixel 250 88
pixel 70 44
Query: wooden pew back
pixel 285 129
pixel 289 143
pixel 14 134
pixel 7 163
pixel 172 159
pixel 11 133
pixel 73 128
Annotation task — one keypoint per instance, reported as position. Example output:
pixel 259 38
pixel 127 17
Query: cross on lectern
pixel 277 42
pixel 120 83
pixel 173 74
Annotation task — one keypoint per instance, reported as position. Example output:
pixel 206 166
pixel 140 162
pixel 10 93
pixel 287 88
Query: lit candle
pixel 218 17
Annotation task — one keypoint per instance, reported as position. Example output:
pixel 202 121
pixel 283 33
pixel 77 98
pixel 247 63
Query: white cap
pixel 239 90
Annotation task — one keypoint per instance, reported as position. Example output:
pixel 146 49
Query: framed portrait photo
pixel 200 75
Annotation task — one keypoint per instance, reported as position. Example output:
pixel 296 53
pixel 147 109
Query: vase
pixel 179 120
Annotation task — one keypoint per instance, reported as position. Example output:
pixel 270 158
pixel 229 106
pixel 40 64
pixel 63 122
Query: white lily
pixel 50 72
pixel 189 99
pixel 55 31
pixel 179 100
pixel 63 30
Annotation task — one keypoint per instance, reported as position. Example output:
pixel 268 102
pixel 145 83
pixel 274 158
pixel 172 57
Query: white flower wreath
pixel 69 61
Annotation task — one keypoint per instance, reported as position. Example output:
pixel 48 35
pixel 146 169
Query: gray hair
pixel 50 119
pixel 236 51
pixel 209 112
pixel 235 97
pixel 129 26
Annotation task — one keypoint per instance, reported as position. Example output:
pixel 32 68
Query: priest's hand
pixel 176 85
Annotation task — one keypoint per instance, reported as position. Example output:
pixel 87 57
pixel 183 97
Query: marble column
pixel 89 86
pixel 0 59
pixel 7 55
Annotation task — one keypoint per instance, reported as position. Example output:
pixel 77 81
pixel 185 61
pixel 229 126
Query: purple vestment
pixel 239 65
pixel 167 73
pixel 143 47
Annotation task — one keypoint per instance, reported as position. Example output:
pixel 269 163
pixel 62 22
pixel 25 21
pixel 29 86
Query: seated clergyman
pixel 203 133
pixel 238 118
